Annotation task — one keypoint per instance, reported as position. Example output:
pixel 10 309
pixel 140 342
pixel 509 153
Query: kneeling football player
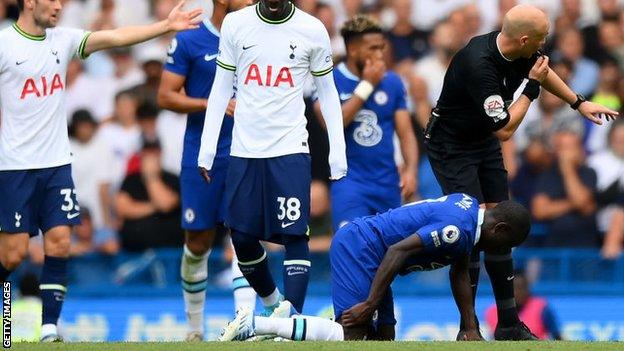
pixel 368 253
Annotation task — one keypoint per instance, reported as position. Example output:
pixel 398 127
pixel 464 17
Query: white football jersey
pixel 272 61
pixel 33 121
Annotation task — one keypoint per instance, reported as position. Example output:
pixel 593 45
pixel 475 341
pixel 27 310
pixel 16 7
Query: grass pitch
pixel 330 346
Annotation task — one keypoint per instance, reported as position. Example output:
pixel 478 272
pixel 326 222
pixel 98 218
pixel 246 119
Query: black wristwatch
pixel 579 100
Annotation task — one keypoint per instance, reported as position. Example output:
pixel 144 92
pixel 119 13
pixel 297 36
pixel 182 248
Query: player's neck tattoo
pixel 281 16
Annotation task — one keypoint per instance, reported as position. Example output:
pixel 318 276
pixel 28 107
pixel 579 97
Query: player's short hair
pixel 517 217
pixel 20 5
pixel 358 26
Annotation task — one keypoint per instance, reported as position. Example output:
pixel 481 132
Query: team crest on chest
pixel 381 98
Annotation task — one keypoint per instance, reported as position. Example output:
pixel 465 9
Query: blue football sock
pixel 53 288
pixel 252 261
pixel 296 270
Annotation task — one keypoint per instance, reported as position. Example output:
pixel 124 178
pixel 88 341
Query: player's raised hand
pixel 540 69
pixel 594 112
pixel 374 71
pixel 469 335
pixel 204 173
pixel 181 20
pixel 360 314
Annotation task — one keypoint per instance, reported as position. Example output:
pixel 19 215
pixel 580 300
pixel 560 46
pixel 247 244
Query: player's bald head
pixel 524 20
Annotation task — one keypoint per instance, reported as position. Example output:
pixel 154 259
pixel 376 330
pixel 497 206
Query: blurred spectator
pixel 84 91
pixel 535 160
pixel 426 13
pixel 86 239
pixel 146 92
pixel 149 205
pixel 565 196
pixel 614 239
pixel 156 49
pixel 609 167
pixel 146 117
pixel 611 39
pixel 445 42
pixel 26 311
pixel 467 22
pixel 91 169
pixel 585 72
pixel 534 311
pixel 607 95
pixel 407 42
pixel 170 128
pixel 122 135
pixel 127 73
pixel 327 15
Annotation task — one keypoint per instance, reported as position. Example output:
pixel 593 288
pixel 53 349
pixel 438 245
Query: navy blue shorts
pixel 268 197
pixel 352 199
pixel 353 267
pixel 202 202
pixel 37 199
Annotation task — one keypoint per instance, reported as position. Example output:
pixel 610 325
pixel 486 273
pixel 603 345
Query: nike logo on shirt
pixel 249 47
pixel 73 215
pixel 285 225
pixel 20 62
pixel 210 57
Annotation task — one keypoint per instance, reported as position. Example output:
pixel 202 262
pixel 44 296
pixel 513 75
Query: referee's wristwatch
pixel 579 100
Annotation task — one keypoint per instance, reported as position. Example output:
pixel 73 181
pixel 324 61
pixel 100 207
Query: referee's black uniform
pixel 478 88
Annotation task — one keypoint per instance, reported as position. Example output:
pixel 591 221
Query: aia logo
pixel 266 77
pixel 43 87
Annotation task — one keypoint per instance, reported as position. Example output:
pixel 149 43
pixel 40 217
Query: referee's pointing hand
pixel 594 112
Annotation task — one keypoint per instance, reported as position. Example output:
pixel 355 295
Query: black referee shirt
pixel 478 88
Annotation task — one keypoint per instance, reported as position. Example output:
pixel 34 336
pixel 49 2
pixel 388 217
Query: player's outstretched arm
pixel 217 103
pixel 178 20
pixel 392 262
pixel 330 107
pixel 588 109
pixel 462 292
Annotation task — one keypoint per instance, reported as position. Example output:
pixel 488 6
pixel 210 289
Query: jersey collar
pixel 342 67
pixel 479 223
pixel 211 28
pixel 28 36
pixel 498 48
pixel 264 19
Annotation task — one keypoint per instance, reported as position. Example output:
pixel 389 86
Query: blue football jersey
pixel 369 137
pixel 193 54
pixel 449 227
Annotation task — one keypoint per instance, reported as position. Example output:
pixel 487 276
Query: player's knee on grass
pixel 199 241
pixel 356 333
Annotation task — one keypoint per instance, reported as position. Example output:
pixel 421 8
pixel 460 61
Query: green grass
pixel 330 346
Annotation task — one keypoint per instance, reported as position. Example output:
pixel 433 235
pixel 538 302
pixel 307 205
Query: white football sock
pixel 194 273
pixel 300 328
pixel 244 295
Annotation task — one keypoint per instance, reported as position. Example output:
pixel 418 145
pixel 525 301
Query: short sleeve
pixel 440 236
pixel 77 41
pixel 321 61
pixel 177 57
pixel 401 98
pixel 226 58
pixel 484 89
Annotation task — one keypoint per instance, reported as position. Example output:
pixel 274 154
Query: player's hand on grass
pixel 374 71
pixel 360 314
pixel 540 69
pixel 181 20
pixel 595 112
pixel 204 173
pixel 229 111
pixel 469 335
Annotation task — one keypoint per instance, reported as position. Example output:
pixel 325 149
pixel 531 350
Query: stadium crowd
pixel 569 172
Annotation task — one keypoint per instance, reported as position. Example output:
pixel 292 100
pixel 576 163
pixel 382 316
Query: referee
pixel 475 112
